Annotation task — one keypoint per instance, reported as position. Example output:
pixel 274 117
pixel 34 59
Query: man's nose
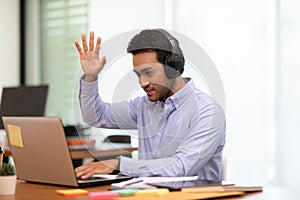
pixel 143 81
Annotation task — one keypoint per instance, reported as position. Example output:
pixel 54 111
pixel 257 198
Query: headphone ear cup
pixel 174 65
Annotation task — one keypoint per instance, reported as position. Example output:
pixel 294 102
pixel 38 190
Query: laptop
pixel 41 154
pixel 23 101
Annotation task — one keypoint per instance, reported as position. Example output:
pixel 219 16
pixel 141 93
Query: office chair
pixel 224 169
pixel 118 139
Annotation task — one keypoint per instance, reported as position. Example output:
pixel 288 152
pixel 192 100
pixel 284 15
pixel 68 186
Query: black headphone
pixel 174 61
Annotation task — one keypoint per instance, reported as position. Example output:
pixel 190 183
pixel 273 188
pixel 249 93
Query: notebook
pixel 205 185
pixel 41 154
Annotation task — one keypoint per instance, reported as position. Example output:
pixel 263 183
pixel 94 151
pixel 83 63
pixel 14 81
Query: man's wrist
pixel 117 167
pixel 89 78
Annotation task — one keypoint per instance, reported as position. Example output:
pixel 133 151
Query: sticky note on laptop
pixel 15 135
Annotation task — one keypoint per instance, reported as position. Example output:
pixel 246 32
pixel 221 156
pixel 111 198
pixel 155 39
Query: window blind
pixel 62 22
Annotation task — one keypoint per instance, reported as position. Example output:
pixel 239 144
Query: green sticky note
pixel 126 192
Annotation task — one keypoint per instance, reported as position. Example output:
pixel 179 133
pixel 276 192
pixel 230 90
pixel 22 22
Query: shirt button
pixel 176 105
pixel 129 172
pixel 158 133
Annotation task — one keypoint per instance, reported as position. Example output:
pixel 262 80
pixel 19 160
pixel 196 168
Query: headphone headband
pixel 174 43
pixel 138 41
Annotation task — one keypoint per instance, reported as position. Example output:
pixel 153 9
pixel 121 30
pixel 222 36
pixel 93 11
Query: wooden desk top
pixel 107 150
pixel 101 150
pixel 28 191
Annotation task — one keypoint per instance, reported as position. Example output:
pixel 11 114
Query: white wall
pixel 287 120
pixel 9 51
pixel 9 37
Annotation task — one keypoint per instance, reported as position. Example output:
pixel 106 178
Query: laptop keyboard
pixel 90 178
pixel 102 178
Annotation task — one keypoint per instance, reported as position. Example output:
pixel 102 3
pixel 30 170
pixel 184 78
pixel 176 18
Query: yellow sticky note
pixel 15 135
pixel 152 192
pixel 72 192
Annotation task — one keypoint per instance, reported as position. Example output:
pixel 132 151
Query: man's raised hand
pixel 89 57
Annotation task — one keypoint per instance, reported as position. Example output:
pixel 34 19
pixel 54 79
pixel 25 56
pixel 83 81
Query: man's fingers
pixel 84 44
pixel 87 48
pixel 84 170
pixel 90 169
pixel 78 47
pixel 91 47
pixel 97 49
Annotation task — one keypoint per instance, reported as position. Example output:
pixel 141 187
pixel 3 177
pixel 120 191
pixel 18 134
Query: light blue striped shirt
pixel 184 136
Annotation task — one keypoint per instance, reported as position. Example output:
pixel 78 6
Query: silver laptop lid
pixel 40 150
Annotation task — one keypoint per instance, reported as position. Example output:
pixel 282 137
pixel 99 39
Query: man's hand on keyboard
pixel 102 167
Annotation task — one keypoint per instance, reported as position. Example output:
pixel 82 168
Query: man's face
pixel 151 75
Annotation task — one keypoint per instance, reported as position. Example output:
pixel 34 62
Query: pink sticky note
pixel 103 195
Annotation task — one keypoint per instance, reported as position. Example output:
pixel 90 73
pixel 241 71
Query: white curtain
pixel 287 120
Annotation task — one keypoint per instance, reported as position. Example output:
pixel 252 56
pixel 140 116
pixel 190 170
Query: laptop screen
pixel 23 101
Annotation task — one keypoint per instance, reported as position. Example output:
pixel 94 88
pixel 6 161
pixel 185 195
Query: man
pixel 181 129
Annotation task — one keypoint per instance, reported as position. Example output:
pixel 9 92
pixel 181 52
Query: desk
pixel 28 191
pixel 101 149
pixel 110 149
pixel 105 149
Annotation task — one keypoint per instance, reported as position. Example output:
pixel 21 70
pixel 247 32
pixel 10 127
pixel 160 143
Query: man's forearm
pixel 89 98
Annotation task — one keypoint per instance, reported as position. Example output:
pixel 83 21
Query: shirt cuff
pixel 88 87
pixel 124 166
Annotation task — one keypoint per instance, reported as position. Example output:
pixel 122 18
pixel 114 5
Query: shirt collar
pixel 181 95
